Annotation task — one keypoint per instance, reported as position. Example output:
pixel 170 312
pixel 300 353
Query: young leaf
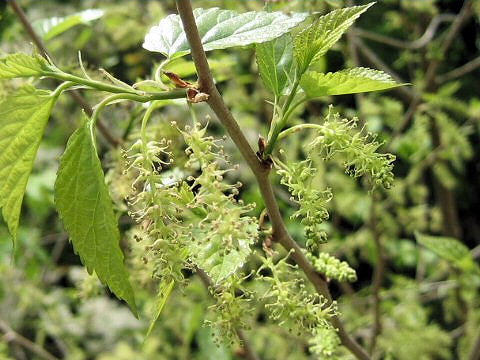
pixel 274 60
pixel 84 204
pixel 449 249
pixel 218 259
pixel 349 81
pixel 220 29
pixel 313 42
pixel 22 65
pixel 23 117
pixel 54 26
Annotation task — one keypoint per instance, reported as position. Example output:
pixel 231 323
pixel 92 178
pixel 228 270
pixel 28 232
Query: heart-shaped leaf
pixel 220 29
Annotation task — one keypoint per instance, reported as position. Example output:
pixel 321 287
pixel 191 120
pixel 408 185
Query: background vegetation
pixel 414 298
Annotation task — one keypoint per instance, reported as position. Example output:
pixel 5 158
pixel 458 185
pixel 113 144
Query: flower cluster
pixel 220 228
pixel 332 268
pixel 189 218
pixel 324 343
pixel 290 301
pixel 191 212
pixel 337 137
pixel 312 202
pixel 156 203
pixel 231 309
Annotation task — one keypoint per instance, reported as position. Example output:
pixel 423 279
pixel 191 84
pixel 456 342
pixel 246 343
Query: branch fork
pixel 194 95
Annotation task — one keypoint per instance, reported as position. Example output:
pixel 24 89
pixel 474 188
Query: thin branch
pixel 249 353
pixel 457 332
pixel 422 41
pixel 460 71
pixel 432 68
pixel 75 94
pixel 379 272
pixel 463 16
pixel 428 292
pixel 405 92
pixel 445 196
pixel 12 336
pixel 407 118
pixel 259 169
pixel 378 276
pixel 476 252
pixel 475 354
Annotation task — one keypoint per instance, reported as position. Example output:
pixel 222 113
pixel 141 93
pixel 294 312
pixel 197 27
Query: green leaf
pixel 313 42
pixel 23 117
pixel 220 29
pixel 54 26
pixel 84 204
pixel 349 81
pixel 449 249
pixel 275 60
pixel 221 252
pixel 22 65
pixel 163 294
